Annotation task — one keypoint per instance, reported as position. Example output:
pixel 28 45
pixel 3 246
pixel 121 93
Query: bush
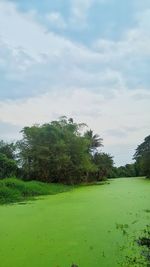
pixel 14 190
pixel 7 195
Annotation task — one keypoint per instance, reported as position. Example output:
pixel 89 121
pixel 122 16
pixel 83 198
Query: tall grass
pixel 14 190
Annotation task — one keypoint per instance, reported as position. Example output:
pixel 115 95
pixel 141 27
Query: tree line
pixel 64 151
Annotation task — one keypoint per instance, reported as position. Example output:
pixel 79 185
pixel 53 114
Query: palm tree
pixel 95 141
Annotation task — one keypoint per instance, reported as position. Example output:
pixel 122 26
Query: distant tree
pixel 8 165
pixel 129 170
pixel 142 157
pixel 8 149
pixel 104 163
pixel 113 173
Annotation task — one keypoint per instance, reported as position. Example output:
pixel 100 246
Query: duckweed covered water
pixel 89 226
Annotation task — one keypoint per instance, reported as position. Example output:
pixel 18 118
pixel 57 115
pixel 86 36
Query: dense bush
pixel 14 190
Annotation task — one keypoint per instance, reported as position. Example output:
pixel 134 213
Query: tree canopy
pixel 60 151
pixel 8 165
pixel 142 157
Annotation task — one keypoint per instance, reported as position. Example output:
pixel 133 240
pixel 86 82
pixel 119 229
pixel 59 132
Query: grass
pixel 14 190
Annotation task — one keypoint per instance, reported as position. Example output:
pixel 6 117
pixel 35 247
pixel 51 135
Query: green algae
pixel 90 226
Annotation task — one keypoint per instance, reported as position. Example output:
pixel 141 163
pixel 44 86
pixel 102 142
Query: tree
pixel 104 163
pixel 55 152
pixel 142 157
pixel 95 141
pixel 8 149
pixel 129 170
pixel 8 165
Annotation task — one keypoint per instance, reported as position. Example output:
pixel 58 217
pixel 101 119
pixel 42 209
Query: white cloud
pixel 129 55
pixel 21 31
pixel 92 85
pixel 135 42
pixel 9 132
pixel 120 112
pixel 106 116
pixel 80 10
pixel 36 58
pixel 55 19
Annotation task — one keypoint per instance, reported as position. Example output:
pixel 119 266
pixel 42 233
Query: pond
pixel 91 226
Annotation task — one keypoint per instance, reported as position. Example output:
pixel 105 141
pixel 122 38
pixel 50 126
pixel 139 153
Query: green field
pixel 92 226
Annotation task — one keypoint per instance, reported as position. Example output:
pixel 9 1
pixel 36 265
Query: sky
pixel 85 59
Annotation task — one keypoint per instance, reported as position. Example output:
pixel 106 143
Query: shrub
pixel 14 190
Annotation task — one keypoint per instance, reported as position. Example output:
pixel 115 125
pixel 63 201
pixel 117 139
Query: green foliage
pixel 56 152
pixel 129 170
pixel 104 164
pixel 7 195
pixel 94 140
pixel 14 190
pixel 142 157
pixel 61 151
pixel 7 149
pixel 8 167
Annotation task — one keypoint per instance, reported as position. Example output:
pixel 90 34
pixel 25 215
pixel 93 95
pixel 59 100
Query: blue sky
pixel 88 59
pixel 100 18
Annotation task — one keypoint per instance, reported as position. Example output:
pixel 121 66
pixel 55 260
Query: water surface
pixel 79 227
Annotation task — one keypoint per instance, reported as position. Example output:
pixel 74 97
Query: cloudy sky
pixel 86 59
